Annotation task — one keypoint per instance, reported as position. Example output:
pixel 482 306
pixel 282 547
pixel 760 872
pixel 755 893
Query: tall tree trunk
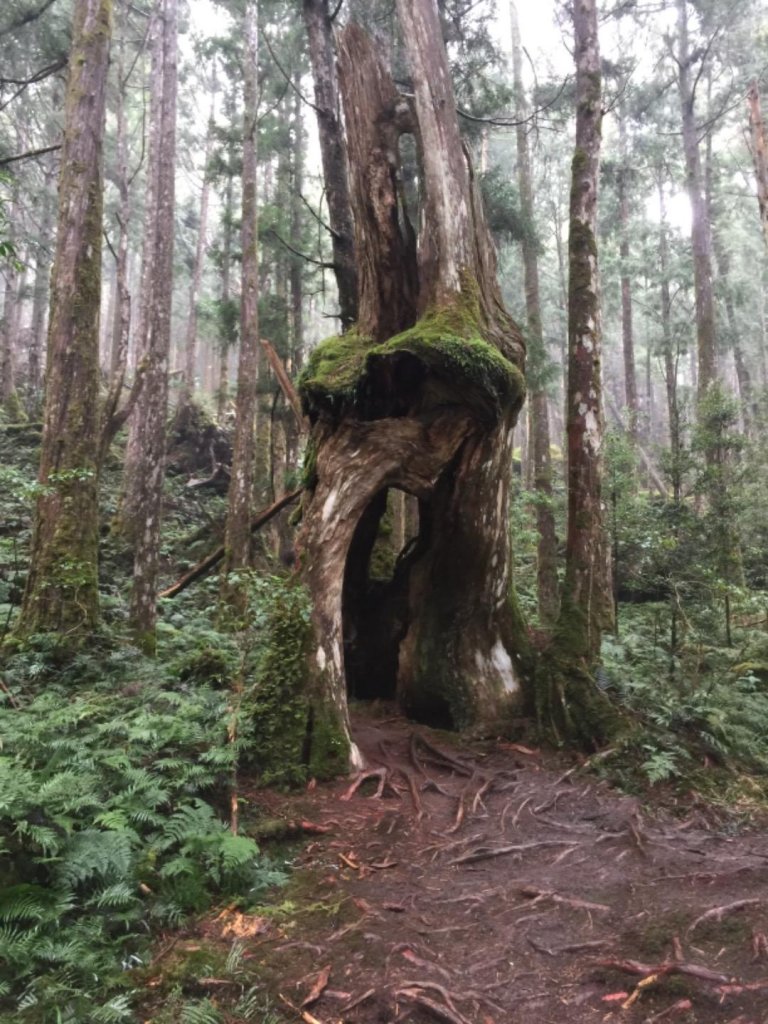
pixel 152 406
pixel 129 520
pixel 671 351
pixel 41 294
pixel 701 239
pixel 190 342
pixel 759 154
pixel 121 325
pixel 226 318
pixel 627 332
pixel 547 584
pixel 333 153
pixel 237 541
pixel 421 397
pixel 585 592
pixel 62 586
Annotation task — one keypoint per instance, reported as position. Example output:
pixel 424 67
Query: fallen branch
pixel 668 967
pixel 210 562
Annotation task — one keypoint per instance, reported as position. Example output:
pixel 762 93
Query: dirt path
pixel 506 888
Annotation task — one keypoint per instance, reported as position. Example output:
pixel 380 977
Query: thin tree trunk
pixel 759 154
pixel 62 586
pixel 539 445
pixel 237 540
pixel 190 342
pixel 129 519
pixel 41 295
pixel 121 326
pixel 152 407
pixel 701 240
pixel 333 154
pixel 225 332
pixel 627 332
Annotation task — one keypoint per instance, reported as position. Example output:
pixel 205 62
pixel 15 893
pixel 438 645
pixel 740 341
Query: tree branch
pixel 211 561
pixel 309 259
pixel 29 155
pixel 25 19
pixel 287 77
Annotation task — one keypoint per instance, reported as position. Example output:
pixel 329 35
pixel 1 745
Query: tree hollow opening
pixel 386 542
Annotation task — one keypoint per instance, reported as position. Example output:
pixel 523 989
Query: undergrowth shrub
pixel 697 706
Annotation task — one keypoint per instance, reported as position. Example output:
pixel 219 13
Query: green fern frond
pixel 203 1012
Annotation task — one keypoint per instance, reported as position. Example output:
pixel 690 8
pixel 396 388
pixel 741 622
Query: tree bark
pixel 546 573
pixel 237 539
pixel 333 154
pixel 62 586
pixel 420 397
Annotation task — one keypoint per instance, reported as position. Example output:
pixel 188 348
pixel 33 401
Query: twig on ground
pixel 681 1006
pixel 443 1013
pixel 486 852
pixel 359 1000
pixel 531 892
pixel 718 913
pixel 520 810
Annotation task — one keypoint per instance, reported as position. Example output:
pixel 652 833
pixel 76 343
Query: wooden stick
pixel 211 561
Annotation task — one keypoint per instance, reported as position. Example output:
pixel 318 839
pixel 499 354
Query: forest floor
pixel 501 884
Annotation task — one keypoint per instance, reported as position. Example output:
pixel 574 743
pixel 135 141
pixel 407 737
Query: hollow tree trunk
pixel 420 397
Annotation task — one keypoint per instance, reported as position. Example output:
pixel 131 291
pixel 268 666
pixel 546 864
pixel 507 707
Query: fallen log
pixel 211 561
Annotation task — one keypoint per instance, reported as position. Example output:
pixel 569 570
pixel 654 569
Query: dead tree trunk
pixel 421 397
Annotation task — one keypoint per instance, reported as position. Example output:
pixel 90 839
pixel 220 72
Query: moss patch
pixel 461 368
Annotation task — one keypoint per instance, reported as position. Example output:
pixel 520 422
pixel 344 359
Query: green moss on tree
pixel 292 738
pixel 460 365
